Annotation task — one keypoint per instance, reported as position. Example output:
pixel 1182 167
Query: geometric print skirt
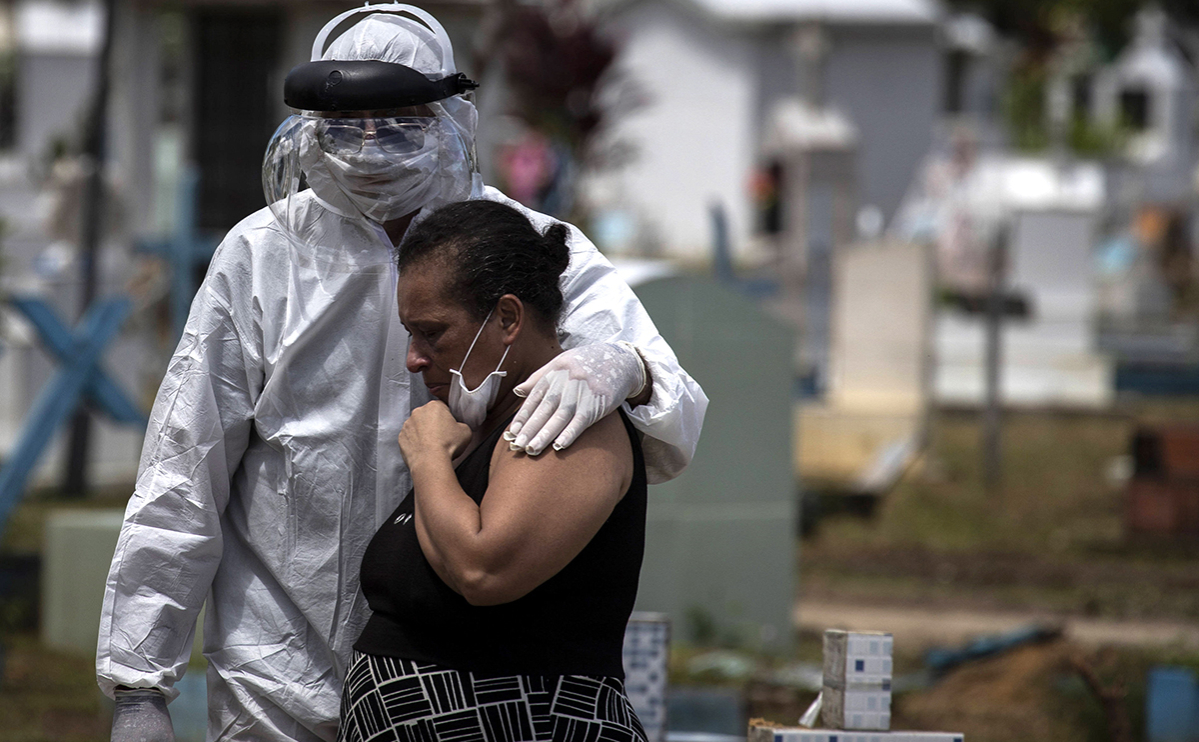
pixel 393 700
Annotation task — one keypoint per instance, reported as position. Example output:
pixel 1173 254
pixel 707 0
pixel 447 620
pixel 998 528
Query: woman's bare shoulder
pixel 608 432
pixel 604 445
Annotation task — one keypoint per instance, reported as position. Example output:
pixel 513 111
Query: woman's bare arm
pixel 537 515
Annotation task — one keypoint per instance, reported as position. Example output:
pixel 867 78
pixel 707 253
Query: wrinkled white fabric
pixel 573 391
pixel 399 39
pixel 392 37
pixel 271 459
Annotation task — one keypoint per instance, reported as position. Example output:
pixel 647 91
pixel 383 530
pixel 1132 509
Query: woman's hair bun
pixel 556 252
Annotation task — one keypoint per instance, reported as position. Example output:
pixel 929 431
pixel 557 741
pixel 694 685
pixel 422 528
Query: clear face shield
pixel 370 141
pixel 372 169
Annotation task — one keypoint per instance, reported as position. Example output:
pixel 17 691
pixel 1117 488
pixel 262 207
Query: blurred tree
pixel 1042 28
pixel 1036 24
pixel 8 104
pixel 1024 106
pixel 3 231
pixel 555 61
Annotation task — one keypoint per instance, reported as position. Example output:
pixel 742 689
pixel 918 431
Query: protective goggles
pixel 399 136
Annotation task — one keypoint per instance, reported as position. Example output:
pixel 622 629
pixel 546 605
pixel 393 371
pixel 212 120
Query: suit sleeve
pixel 171 542
pixel 600 307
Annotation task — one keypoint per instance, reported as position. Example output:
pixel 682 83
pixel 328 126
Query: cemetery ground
pixel 936 560
pixel 940 558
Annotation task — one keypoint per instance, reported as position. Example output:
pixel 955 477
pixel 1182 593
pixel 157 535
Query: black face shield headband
pixel 330 85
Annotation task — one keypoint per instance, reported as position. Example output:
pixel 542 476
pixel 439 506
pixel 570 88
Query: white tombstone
pixel 77 551
pixel 1150 86
pixel 873 416
pixel 646 666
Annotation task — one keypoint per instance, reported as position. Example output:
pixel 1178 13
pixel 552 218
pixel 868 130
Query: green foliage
pixel 3 232
pixel 1035 24
pixel 1024 109
pixel 1088 139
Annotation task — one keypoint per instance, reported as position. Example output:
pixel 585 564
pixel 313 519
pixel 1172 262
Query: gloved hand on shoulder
pixel 570 393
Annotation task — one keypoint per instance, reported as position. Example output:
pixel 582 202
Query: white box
pixel 857 680
pixel 646 661
pixel 798 734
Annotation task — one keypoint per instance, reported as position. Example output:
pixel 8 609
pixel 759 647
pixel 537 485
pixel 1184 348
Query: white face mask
pixel 470 406
pixel 384 186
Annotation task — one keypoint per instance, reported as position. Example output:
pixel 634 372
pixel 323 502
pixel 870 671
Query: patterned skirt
pixel 392 699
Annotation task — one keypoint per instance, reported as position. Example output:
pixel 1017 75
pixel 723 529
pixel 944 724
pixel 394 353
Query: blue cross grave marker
pixel 186 249
pixel 80 374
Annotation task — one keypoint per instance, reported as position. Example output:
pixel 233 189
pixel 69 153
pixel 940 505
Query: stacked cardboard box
pixel 646 661
pixel 794 734
pixel 856 696
pixel 857 680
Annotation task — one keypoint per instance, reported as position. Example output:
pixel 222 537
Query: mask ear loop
pixel 472 347
pixel 472 343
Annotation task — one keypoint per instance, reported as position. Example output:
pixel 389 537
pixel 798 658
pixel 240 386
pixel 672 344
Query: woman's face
pixel 441 331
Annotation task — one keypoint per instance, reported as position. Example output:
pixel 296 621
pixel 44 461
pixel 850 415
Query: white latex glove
pixel 573 391
pixel 141 716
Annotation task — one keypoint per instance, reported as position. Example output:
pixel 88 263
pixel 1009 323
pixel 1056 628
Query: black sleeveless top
pixel 571 624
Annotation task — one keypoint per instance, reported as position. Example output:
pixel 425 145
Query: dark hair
pixel 491 249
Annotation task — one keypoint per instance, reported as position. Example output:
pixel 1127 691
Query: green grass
pixel 1053 492
pixel 1050 537
pixel 48 696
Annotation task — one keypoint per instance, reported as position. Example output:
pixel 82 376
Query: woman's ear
pixel 511 312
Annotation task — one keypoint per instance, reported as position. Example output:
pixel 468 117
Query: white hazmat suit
pixel 271 455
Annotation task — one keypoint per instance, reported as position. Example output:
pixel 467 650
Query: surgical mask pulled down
pixel 470 406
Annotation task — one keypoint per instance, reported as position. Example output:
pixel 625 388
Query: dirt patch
pixel 1098 586
pixel 1004 698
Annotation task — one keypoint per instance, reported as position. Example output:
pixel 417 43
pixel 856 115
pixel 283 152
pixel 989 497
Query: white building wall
pixel 133 124
pixel 888 80
pixel 694 138
pixel 55 71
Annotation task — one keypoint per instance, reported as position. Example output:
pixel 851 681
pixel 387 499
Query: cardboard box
pixel 857 680
pixel 763 732
pixel 841 735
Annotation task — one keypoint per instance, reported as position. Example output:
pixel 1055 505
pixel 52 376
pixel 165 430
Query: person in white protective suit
pixel 272 455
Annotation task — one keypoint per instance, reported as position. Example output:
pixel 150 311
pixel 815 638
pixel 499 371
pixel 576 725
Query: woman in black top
pixel 501 587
